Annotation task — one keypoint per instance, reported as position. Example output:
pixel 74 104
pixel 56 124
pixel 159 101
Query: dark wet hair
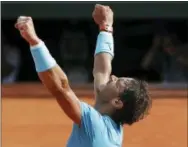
pixel 137 103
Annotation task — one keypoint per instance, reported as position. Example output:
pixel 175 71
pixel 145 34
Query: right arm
pixel 57 83
pixel 51 75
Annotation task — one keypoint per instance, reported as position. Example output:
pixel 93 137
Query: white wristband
pixel 42 57
pixel 105 43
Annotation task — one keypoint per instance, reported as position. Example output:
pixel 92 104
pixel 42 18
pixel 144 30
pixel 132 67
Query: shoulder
pixel 92 121
pixel 90 114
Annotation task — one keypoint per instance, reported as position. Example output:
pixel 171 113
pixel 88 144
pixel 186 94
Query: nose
pixel 113 78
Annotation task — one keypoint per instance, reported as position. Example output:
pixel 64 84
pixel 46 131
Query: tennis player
pixel 119 101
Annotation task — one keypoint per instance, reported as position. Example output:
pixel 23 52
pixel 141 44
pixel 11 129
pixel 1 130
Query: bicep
pixel 56 82
pixel 100 81
pixel 102 69
pixel 70 104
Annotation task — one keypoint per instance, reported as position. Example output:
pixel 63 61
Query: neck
pixel 103 108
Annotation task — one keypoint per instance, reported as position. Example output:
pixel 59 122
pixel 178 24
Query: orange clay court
pixel 29 121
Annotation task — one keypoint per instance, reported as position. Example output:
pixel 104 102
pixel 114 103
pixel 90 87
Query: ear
pixel 117 102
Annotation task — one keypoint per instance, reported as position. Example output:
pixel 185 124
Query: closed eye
pixel 121 84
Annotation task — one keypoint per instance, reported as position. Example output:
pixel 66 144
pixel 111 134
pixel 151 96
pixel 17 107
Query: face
pixel 114 87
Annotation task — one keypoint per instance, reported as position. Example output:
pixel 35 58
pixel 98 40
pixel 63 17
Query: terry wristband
pixel 42 57
pixel 105 43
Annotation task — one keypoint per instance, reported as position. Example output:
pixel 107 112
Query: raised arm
pixel 104 52
pixel 51 75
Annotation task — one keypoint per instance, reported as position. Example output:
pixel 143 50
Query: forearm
pixel 55 80
pixel 104 54
pixel 102 64
pixel 49 72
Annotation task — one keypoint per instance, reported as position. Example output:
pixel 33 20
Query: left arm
pixel 104 52
pixel 102 68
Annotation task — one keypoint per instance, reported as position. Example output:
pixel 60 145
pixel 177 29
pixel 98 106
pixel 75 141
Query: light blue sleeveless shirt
pixel 95 130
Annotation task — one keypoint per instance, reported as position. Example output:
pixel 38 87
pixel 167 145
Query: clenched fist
pixel 25 26
pixel 103 16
